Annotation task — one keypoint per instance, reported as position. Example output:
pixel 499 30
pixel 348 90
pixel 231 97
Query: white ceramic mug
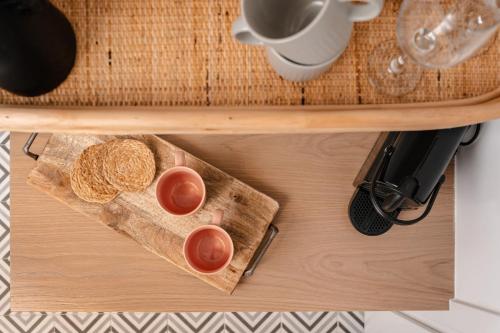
pixel 308 32
pixel 292 71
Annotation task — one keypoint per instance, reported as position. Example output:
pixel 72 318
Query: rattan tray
pixel 172 66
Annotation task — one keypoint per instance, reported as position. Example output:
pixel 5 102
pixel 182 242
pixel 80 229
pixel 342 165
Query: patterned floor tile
pixel 253 322
pixel 351 322
pixel 139 322
pixel 313 322
pixel 5 138
pixel 26 322
pixel 4 286
pixel 4 230
pixel 4 173
pixel 81 322
pixel 199 322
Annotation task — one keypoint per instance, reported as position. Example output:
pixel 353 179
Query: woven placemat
pixel 180 52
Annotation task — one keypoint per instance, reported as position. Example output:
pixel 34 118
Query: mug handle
pixel 217 217
pixel 180 158
pixel 241 32
pixel 363 12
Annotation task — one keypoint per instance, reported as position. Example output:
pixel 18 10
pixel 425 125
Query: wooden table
pixel 62 261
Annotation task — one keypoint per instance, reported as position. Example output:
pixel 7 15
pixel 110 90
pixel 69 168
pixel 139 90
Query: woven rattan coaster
pixel 129 165
pixel 87 178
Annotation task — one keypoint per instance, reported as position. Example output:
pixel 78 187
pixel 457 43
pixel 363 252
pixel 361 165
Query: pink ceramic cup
pixel 209 249
pixel 180 190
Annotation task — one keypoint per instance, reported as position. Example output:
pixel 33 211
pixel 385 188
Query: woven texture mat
pixel 180 52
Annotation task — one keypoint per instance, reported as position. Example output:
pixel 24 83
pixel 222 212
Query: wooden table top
pixel 63 261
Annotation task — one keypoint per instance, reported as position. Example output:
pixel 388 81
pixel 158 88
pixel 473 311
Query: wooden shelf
pixel 252 120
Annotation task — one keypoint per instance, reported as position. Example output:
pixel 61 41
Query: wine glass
pixel 431 34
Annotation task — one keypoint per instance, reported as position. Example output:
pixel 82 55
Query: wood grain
pixel 251 120
pixel 64 261
pixel 247 212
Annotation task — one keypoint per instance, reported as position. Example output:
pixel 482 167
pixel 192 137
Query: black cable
pixel 381 166
pixel 473 138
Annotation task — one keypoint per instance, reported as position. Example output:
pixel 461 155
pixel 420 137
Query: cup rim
pixel 296 65
pixel 173 170
pixel 203 227
pixel 286 39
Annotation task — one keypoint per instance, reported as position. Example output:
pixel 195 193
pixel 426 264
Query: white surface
pixel 460 319
pixel 391 322
pixel 477 252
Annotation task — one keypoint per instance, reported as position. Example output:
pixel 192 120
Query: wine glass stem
pixel 397 64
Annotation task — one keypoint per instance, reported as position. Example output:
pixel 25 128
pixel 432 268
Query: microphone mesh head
pixel 364 217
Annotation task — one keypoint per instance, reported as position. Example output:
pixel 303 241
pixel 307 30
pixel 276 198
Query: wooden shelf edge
pixel 251 120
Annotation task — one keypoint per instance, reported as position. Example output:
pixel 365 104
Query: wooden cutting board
pixel 247 212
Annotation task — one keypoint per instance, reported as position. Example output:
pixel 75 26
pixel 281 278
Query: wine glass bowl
pixel 442 34
pixel 433 34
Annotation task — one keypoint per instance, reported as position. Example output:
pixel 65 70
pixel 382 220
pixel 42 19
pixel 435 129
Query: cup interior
pixel 208 249
pixel 276 19
pixel 180 191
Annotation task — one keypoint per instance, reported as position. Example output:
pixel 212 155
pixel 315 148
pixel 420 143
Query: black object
pixel 37 47
pixel 470 140
pixel 364 218
pixel 404 171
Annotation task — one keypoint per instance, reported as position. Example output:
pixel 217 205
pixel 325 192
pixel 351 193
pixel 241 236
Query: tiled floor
pixel 207 322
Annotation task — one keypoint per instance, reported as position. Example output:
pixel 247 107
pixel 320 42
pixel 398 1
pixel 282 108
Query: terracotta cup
pixel 180 190
pixel 209 249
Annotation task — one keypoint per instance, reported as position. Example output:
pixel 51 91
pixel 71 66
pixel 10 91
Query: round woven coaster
pixel 87 178
pixel 129 165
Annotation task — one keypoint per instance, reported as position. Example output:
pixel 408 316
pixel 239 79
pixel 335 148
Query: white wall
pixel 387 322
pixel 477 269
pixel 476 307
